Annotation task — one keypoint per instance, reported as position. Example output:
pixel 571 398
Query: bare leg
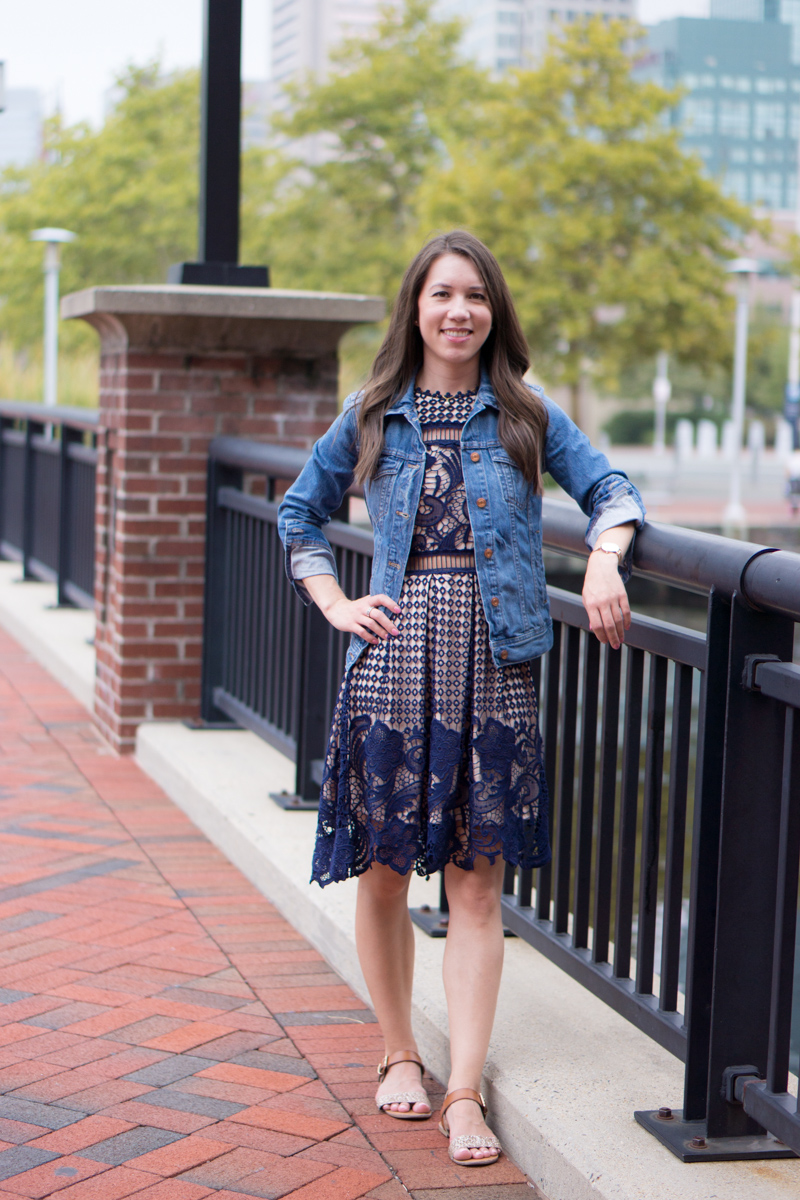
pixel 473 962
pixel 385 942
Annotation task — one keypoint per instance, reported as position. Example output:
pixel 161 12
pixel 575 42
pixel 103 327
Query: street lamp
pixel 662 390
pixel 734 516
pixel 52 238
pixel 220 140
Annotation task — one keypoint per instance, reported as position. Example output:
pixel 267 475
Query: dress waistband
pixel 459 560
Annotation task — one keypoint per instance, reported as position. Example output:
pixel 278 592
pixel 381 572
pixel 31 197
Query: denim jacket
pixel 504 511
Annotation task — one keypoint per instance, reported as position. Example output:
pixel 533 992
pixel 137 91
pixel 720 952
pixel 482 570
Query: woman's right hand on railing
pixel 364 616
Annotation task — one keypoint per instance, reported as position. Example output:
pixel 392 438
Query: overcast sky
pixel 71 49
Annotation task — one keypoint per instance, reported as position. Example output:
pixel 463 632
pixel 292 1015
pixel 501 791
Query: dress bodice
pixel 442 522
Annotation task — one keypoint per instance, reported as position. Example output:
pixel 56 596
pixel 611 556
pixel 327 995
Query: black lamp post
pixel 220 155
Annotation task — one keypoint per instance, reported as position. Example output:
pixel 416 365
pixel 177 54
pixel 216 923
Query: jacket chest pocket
pixel 513 484
pixel 380 487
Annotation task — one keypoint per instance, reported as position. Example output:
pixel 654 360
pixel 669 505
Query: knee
pixel 475 898
pixel 382 885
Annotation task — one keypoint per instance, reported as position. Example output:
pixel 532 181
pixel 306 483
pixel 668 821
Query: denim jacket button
pixel 475 456
pixel 495 602
pixel 481 502
pixel 488 552
pixel 504 655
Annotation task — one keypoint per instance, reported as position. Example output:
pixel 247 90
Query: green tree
pixel 612 238
pixel 383 122
pixel 129 191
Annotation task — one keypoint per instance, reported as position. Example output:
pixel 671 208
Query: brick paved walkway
pixel 164 1032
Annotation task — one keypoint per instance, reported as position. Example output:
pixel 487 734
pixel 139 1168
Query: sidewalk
pixel 565 1072
pixel 164 1032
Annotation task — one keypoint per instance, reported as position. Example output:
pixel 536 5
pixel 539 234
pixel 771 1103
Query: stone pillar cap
pixel 187 300
pixel 191 319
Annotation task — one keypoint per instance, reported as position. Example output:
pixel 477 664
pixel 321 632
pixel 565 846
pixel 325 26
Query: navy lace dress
pixel 434 754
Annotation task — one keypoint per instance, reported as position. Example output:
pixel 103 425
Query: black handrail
pixel 681 745
pixel 48 460
pixel 684 558
pixel 76 418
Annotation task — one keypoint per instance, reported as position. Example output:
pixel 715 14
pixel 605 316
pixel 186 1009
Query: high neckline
pixel 426 393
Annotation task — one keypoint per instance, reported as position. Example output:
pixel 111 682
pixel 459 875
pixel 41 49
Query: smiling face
pixel 454 317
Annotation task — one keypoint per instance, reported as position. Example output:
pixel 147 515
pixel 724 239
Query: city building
pixel 498 34
pixel 740 111
pixel 20 127
pixel 305 31
pixel 256 96
pixel 514 33
pixel 786 12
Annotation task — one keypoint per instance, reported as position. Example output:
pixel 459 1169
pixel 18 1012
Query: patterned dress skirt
pixel 434 754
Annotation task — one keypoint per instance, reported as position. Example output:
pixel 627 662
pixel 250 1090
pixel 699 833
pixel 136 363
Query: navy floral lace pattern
pixel 442 522
pixel 435 754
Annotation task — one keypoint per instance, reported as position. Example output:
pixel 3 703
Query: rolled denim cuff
pixel 620 509
pixel 305 560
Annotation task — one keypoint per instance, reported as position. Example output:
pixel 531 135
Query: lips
pixel 457 335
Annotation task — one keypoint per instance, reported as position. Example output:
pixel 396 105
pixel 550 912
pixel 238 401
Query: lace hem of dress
pixel 402 798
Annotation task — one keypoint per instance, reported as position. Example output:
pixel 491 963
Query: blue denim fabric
pixel 507 529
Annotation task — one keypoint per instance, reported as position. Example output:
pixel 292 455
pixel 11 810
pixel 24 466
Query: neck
pixel 449 377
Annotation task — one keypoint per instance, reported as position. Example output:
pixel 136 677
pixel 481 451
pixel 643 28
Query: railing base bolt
pixel 698 1143
pixel 665 1114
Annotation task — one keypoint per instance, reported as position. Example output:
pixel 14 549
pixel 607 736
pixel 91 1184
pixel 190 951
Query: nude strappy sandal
pixel 469 1141
pixel 409 1098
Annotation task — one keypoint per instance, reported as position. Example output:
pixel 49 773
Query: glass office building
pixel 21 119
pixel 500 34
pixel 786 12
pixel 741 106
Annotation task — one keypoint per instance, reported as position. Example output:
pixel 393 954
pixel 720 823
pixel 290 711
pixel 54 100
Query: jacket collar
pixel 404 405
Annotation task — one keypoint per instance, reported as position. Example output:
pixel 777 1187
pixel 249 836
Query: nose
pixel 458 310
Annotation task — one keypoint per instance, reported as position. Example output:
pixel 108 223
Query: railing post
pixel 312 723
pixel 705 857
pixel 5 423
pixel 216 589
pixel 69 437
pixel 748 863
pixel 27 498
pixel 733 898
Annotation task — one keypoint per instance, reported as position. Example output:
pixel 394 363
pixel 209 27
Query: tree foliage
pixel 385 121
pixel 612 238
pixel 129 191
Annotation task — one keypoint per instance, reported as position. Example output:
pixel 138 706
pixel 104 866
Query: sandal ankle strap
pixel 463 1094
pixel 400 1056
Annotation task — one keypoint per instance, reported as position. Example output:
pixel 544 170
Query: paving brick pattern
pixel 164 1032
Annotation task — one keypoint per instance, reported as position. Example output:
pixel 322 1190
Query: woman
pixel 434 760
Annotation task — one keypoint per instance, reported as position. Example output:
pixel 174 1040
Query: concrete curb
pixel 58 638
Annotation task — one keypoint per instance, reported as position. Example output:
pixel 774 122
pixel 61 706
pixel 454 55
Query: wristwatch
pixel 610 548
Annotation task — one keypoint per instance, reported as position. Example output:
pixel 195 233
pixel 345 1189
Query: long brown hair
pixel 523 417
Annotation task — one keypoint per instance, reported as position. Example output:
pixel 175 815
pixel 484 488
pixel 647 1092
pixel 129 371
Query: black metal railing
pixel 674 786
pixel 48 462
pixel 270 664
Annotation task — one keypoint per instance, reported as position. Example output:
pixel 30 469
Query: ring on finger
pixel 369 611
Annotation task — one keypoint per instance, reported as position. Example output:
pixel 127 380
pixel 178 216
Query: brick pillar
pixel 180 365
